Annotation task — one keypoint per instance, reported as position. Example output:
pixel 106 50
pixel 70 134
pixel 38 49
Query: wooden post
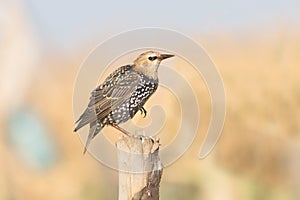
pixel 140 169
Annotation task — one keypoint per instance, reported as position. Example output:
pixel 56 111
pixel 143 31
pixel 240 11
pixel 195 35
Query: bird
pixel 122 94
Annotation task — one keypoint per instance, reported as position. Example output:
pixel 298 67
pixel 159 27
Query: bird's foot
pixel 143 111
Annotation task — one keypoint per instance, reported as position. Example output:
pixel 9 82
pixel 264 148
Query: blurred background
pixel 255 45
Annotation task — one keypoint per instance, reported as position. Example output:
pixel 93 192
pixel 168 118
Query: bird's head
pixel 149 61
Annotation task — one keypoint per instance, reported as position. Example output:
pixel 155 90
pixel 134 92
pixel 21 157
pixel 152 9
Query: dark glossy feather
pixel 116 100
pixel 115 90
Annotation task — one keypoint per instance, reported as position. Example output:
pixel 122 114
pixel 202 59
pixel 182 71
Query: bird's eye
pixel 152 58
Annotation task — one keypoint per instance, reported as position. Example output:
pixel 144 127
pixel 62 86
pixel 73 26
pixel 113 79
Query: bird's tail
pixel 94 130
pixel 88 116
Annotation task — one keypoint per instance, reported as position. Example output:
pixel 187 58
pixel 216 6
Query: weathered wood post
pixel 140 168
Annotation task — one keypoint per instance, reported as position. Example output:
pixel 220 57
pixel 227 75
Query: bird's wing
pixel 116 94
pixel 115 90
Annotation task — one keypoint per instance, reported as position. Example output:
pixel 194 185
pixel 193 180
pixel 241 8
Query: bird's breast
pixel 139 97
pixel 142 93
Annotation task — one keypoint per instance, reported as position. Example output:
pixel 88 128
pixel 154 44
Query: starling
pixel 123 93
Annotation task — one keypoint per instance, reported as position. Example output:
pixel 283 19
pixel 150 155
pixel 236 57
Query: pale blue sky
pixel 71 23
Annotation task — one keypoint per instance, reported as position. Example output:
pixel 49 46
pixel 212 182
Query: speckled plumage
pixel 123 93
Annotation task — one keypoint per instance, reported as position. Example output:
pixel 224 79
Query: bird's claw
pixel 143 111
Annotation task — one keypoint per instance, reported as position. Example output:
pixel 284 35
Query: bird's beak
pixel 165 56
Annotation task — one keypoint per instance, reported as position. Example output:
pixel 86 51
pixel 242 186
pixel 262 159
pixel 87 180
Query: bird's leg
pixel 122 130
pixel 143 111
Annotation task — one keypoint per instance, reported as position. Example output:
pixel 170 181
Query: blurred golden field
pixel 257 156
